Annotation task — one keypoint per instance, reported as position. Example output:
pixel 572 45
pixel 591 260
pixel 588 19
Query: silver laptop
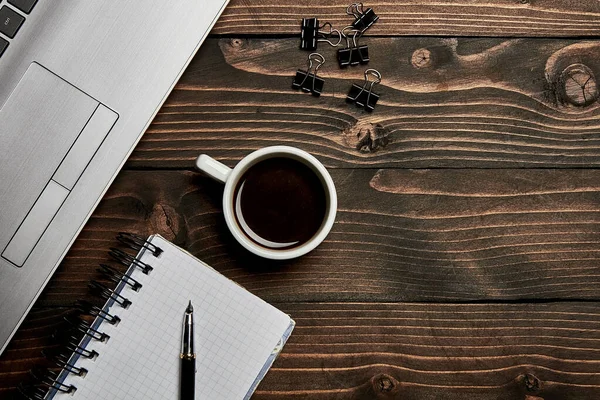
pixel 80 81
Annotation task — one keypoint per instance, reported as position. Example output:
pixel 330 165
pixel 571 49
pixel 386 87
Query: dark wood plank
pixel 410 235
pixel 406 351
pixel 25 349
pixel 471 103
pixel 437 351
pixel 467 18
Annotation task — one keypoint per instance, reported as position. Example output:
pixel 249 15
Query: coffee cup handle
pixel 211 167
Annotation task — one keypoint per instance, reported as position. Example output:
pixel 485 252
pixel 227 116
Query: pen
pixel 188 357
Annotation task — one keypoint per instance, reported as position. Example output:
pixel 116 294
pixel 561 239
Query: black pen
pixel 188 357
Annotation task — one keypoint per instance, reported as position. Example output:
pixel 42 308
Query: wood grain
pixel 507 259
pixel 404 235
pixel 480 103
pixel 404 351
pixel 25 349
pixel 438 351
pixel 466 18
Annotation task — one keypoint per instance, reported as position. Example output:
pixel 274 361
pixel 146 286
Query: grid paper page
pixel 235 333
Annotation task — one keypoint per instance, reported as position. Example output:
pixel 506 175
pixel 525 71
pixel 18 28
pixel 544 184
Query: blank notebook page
pixel 235 334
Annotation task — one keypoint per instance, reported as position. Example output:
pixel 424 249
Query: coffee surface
pixel 280 203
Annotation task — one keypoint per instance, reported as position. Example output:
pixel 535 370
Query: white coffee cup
pixel 230 177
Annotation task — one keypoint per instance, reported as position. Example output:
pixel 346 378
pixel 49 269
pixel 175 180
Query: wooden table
pixel 465 260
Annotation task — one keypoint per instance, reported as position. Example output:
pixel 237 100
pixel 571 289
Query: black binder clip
pixel 363 19
pixel 353 54
pixel 311 34
pixel 364 96
pixel 308 81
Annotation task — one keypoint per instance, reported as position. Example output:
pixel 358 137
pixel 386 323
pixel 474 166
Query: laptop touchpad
pixel 49 131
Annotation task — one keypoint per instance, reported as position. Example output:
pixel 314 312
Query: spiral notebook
pixel 131 351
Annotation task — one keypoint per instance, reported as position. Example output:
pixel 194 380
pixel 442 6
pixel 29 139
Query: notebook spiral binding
pixel 47 381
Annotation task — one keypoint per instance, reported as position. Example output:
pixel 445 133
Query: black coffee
pixel 280 203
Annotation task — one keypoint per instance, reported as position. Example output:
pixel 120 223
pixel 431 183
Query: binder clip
pixel 364 96
pixel 363 19
pixel 308 81
pixel 311 34
pixel 353 54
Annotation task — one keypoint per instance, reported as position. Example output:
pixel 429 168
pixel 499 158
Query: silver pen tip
pixel 189 308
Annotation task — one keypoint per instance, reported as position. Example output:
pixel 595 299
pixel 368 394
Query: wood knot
pixel 578 85
pixel 421 58
pixel 532 383
pixel 384 384
pixel 366 137
pixel 165 221
pixel 236 43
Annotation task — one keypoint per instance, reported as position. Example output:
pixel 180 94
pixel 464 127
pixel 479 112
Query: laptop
pixel 80 81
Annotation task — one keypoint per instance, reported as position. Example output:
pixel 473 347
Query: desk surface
pixel 464 263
